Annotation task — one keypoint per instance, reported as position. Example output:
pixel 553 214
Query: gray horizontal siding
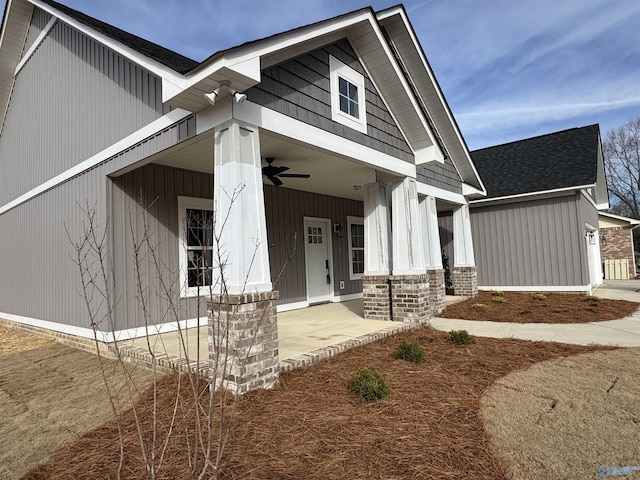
pixel 73 98
pixel 39 20
pixel 529 243
pixel 39 279
pixel 443 176
pixel 300 88
pixel 285 210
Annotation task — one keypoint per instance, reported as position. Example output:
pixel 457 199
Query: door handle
pixel 328 279
pixel 326 264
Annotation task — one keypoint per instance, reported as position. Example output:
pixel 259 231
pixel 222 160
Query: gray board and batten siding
pixel 44 282
pixel 39 20
pixel 445 230
pixel 531 243
pixel 89 98
pixel 300 88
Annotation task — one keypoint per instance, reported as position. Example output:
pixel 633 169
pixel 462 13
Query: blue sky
pixel 509 69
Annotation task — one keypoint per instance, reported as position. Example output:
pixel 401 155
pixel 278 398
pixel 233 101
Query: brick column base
pixel 376 297
pixel 410 298
pixel 465 281
pixel 243 333
pixel 437 291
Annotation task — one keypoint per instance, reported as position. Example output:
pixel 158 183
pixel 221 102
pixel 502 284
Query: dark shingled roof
pixel 557 160
pixel 167 57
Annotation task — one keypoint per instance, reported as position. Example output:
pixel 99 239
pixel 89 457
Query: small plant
pixel 539 296
pixel 499 299
pixel 479 305
pixel 369 385
pixel 410 352
pixel 591 298
pixel 497 293
pixel 461 337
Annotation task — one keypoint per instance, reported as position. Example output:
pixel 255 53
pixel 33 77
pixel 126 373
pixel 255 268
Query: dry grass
pixel 525 308
pixel 311 427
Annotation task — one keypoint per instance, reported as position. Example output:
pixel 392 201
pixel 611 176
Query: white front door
pixel 317 256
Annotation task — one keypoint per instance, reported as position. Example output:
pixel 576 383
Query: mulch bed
pixel 312 427
pixel 525 308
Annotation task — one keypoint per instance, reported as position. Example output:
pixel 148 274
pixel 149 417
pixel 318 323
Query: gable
pixel 76 97
pixel 443 176
pixel 300 88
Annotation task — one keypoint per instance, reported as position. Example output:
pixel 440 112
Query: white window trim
pixel 337 70
pixel 183 204
pixel 353 221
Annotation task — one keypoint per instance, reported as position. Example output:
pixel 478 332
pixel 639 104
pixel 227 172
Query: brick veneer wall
pixel 243 332
pixel 410 298
pixel 437 291
pixel 465 281
pixel 616 243
pixel 376 297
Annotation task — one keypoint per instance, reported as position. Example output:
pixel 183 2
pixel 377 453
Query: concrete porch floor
pixel 302 334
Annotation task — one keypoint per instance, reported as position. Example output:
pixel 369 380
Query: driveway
pixel 624 332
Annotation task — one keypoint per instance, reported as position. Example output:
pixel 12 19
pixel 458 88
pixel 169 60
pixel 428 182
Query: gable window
pixel 355 230
pixel 196 245
pixel 347 96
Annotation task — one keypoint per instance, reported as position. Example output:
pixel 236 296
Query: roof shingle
pixel 564 159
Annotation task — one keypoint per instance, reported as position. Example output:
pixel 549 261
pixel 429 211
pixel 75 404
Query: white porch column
pixel 377 253
pixel 408 251
pixel 409 284
pixel 376 230
pixel 462 240
pixel 430 233
pixel 433 254
pixel 239 212
pixel 465 275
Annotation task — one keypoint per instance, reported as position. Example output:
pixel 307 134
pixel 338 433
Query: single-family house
pixel 537 228
pixel 617 246
pixel 318 157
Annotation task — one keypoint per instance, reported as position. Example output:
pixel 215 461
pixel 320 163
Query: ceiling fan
pixel 274 173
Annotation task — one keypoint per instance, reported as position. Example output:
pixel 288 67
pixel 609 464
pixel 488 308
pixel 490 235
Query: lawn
pixel 539 308
pixel 311 427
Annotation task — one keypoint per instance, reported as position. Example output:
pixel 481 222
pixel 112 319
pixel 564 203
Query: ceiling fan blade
pixel 295 175
pixel 275 180
pixel 280 170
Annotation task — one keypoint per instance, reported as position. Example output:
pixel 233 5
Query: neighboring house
pixel 616 246
pixel 93 115
pixel 537 229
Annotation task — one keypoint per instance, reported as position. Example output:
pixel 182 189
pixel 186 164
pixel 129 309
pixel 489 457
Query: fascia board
pixel 166 73
pixel 400 11
pixel 528 196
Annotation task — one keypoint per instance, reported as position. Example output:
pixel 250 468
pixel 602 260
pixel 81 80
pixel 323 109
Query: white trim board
pixel 346 298
pixel 273 121
pixel 431 191
pixel 36 44
pixel 530 195
pixel 136 137
pixel 539 288
pixel 106 337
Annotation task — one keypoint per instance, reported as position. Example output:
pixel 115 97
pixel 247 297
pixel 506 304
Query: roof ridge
pixel 537 136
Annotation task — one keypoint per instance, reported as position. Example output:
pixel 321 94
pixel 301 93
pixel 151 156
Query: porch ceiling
pixel 330 174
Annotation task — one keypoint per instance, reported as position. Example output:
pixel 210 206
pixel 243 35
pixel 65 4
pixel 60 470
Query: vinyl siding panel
pixel 285 210
pixel 38 22
pixel 443 176
pixel 445 229
pixel 300 88
pixel 72 99
pixel 533 243
pixel 39 279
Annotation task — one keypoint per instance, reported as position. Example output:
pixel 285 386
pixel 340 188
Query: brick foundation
pixel 465 281
pixel 437 291
pixel 243 340
pixel 376 297
pixel 410 298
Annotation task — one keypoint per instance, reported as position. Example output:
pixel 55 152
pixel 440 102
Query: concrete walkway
pixel 624 332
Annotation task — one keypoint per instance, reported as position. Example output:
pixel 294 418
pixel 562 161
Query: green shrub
pixel 539 296
pixel 410 352
pixel 369 385
pixel 497 293
pixel 478 305
pixel 499 299
pixel 591 298
pixel 461 337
